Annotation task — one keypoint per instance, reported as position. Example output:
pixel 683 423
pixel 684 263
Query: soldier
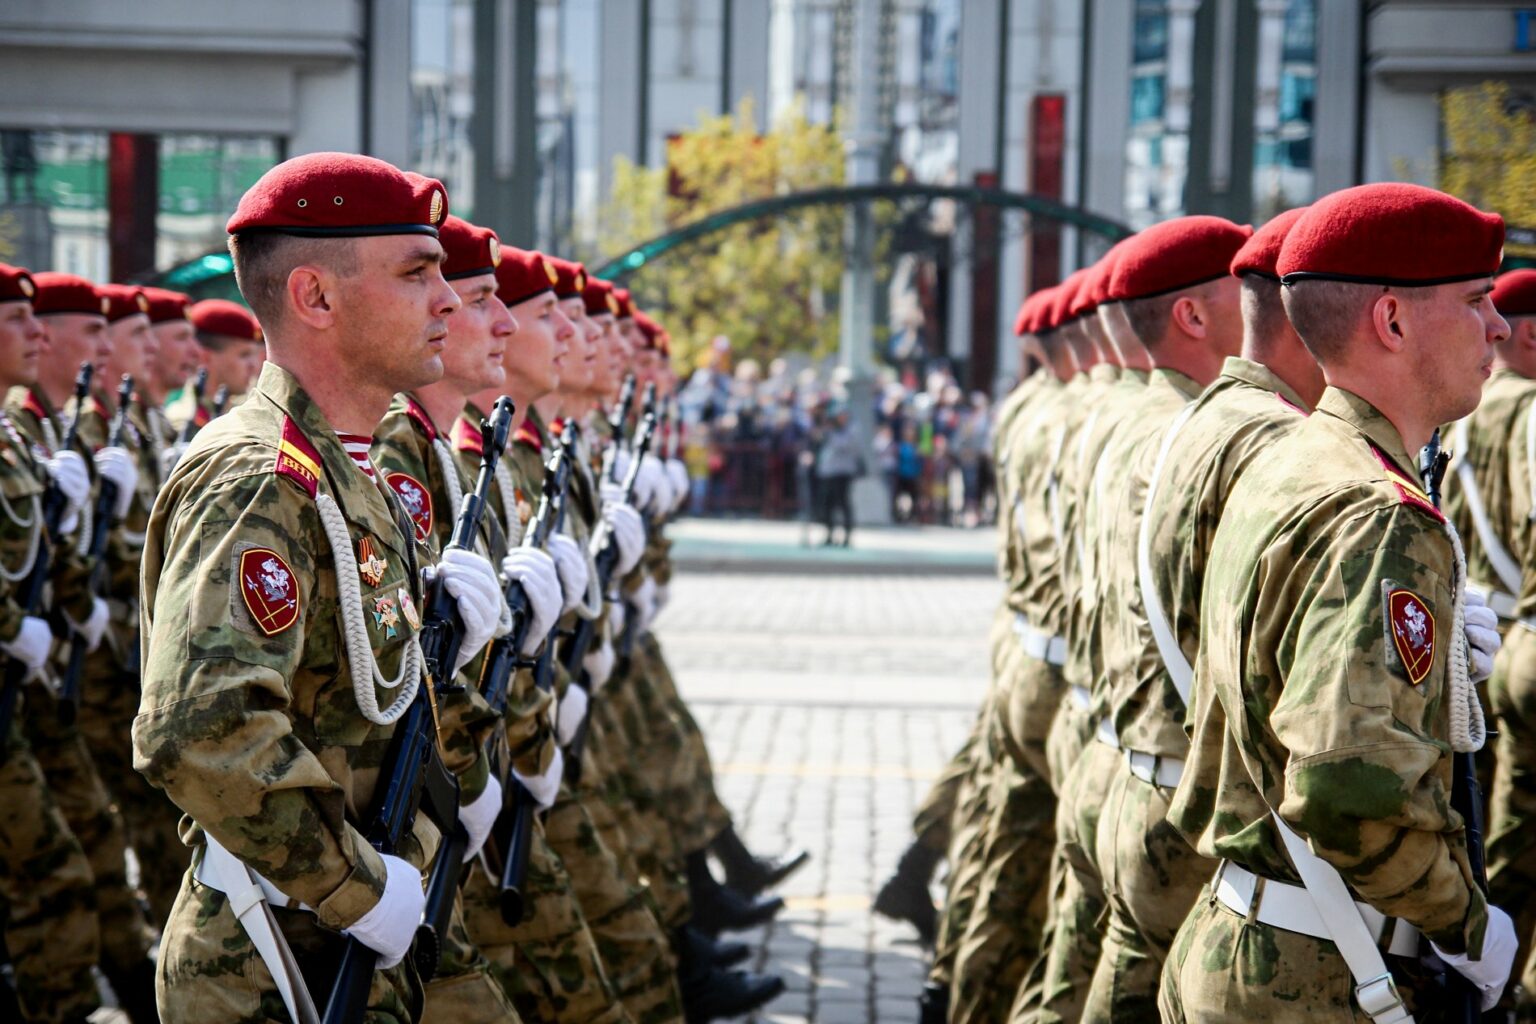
pixel 230 347
pixel 1490 502
pixel 1339 649
pixel 271 686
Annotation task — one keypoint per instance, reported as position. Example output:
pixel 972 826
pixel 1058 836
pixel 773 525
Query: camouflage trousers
pixel 1225 967
pixel 935 815
pixel 1151 880
pixel 51 930
pixel 1002 936
pixel 1511 839
pixel 548 963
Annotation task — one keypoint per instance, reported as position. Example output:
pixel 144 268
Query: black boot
pixel 135 988
pixel 711 993
pixel 719 908
pixel 748 874
pixel 904 897
pixel 933 1004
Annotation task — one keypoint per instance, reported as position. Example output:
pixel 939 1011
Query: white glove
pixel 1491 973
pixel 33 642
pixel 677 474
pixel 644 600
pixel 628 533
pixel 390 926
pixel 472 583
pixel 116 464
pixel 545 786
pixel 598 665
pixel 1483 642
pixel 172 455
pixel 95 625
pixel 573 711
pixel 571 566
pixel 74 480
pixel 650 485
pixel 535 571
pixel 617 613
pixel 479 815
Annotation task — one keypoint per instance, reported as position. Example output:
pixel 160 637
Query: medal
pixel 369 565
pixel 408 608
pixel 385 617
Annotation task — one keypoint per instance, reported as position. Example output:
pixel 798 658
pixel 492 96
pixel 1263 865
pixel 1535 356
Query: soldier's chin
pixel 428 371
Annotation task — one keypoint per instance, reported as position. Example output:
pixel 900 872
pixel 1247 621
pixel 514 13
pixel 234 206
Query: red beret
pixel 1175 255
pixel 1031 310
pixel 1514 293
pixel 523 274
pixel 1392 234
pixel 1081 301
pixel 123 300
pixel 1260 253
pixel 1102 272
pixel 166 306
pixel 16 284
pixel 650 330
pixel 67 293
pixel 598 295
pixel 626 302
pixel 224 318
pixel 571 278
pixel 469 250
pixel 340 195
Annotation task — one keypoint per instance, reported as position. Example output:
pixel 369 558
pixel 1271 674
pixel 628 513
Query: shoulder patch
pixel 1408 491
pixel 1412 627
pixel 416 499
pixel 466 437
pixel 528 434
pixel 268 588
pixel 414 410
pixel 297 459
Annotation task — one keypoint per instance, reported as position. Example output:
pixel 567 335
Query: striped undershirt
pixel 357 446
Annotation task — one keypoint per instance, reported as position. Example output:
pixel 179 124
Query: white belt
pixel 1163 772
pixel 1291 908
pixel 1106 734
pixel 249 895
pixel 1038 644
pixel 1082 697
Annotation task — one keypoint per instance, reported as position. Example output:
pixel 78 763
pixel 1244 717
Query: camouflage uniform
pixel 1492 448
pixel 249 718
pixel 182 407
pixel 1322 695
pixel 1151 875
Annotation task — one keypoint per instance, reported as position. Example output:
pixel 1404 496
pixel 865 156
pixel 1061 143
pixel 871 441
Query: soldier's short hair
pixel 1148 317
pixel 1328 313
pixel 264 259
pixel 1264 317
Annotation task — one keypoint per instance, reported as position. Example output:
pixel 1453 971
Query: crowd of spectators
pixel 776 443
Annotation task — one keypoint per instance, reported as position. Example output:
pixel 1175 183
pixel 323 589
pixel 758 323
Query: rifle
pixel 53 505
pixel 101 528
pixel 414 768
pixel 617 420
pixel 626 645
pixel 220 401
pixel 189 428
pixel 513 832
pixel 607 560
pixel 1466 1000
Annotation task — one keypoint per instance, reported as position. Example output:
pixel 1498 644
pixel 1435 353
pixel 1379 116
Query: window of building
pixel 1156 157
pixel 1282 156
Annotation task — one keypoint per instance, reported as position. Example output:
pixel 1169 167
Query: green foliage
pixel 1490 154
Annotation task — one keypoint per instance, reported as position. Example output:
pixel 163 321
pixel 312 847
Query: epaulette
pixel 556 426
pixel 1290 404
pixel 1409 492
pixel 97 407
pixel 466 437
pixel 417 413
pixel 201 416
pixel 528 434
pixel 31 405
pixel 297 459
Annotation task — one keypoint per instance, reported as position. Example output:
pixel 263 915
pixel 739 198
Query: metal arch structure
pixel 620 267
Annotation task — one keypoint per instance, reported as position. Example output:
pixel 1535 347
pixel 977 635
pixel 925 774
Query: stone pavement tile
pixel 893 1011
pixel 843 1013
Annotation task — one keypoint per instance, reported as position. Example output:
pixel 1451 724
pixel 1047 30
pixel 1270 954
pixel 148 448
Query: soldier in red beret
pixel 1340 648
pixel 282 598
pixel 230 346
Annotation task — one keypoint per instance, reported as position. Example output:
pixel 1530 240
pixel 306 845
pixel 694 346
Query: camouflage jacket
pixel 1242 413
pixel 183 407
pixel 1035 445
pixel 1003 437
pixel 249 719
pixel 1321 682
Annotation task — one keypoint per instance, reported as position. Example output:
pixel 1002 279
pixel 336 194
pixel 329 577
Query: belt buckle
pixel 1378 996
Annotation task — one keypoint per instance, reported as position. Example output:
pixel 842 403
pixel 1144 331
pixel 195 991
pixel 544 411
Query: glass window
pixel 1149 39
pixel 1146 99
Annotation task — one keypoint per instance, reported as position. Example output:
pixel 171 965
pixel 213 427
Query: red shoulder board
pixel 556 425
pixel 528 434
pixel 297 458
pixel 417 501
pixel 269 590
pixel 201 416
pixel 99 408
pixel 417 413
pixel 1413 632
pixel 32 405
pixel 1290 404
pixel 466 437
pixel 1407 490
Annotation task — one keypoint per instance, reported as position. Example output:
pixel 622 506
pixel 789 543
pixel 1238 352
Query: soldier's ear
pixel 310 296
pixel 1385 313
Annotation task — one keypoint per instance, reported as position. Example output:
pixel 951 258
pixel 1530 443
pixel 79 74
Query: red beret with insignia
pixel 123 300
pixel 16 284
pixel 1175 255
pixel 1392 234
pixel 469 250
pixel 225 319
pixel 626 302
pixel 523 275
pixel 1514 293
pixel 1261 253
pixel 166 306
pixel 598 295
pixel 341 195
pixel 571 278
pixel 66 293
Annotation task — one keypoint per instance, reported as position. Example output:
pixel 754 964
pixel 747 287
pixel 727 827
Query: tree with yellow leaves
pixel 1490 154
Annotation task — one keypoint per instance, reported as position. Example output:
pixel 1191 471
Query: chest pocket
pixel 21 515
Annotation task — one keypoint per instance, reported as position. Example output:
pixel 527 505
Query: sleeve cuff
pixel 359 892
